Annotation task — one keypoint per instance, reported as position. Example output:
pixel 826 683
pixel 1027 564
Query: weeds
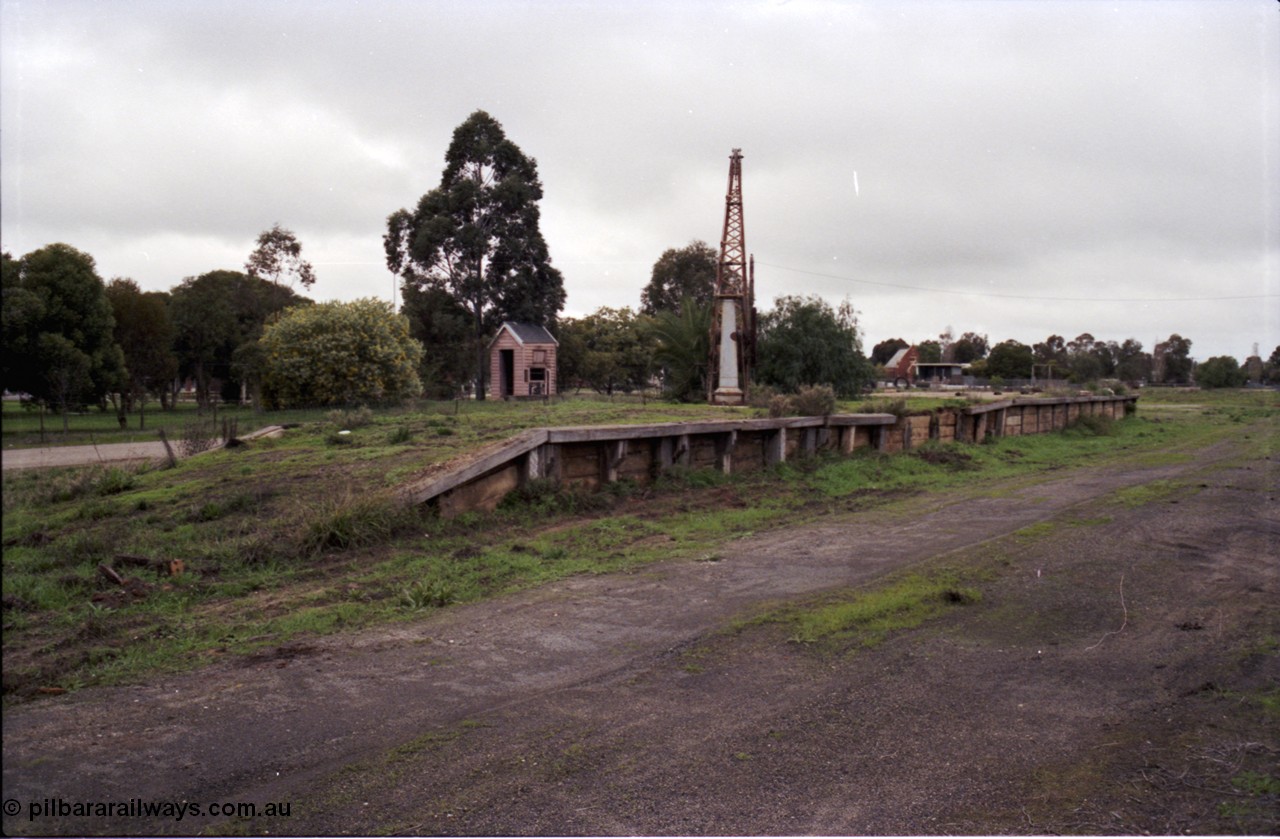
pixel 428 594
pixel 38 488
pixel 1091 425
pixel 808 401
pixel 199 436
pixel 58 525
pixel 1257 783
pixel 114 481
pixel 216 509
pixel 897 407
pixel 867 617
pixel 352 521
pixel 542 494
pixel 350 419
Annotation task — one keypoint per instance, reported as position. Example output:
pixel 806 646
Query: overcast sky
pixel 1011 168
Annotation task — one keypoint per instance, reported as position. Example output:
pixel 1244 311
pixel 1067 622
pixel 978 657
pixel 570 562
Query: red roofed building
pixel 901 368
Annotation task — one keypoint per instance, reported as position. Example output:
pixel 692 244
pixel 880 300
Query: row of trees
pixel 1086 359
pixel 470 255
pixel 70 340
pixel 801 341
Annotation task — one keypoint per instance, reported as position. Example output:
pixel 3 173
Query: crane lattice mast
pixel 733 321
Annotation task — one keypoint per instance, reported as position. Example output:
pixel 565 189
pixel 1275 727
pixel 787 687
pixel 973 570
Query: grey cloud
pixel 1109 149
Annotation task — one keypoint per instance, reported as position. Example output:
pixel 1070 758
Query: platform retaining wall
pixel 590 457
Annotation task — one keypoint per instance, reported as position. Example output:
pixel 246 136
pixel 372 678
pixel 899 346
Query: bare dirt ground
pixel 1119 675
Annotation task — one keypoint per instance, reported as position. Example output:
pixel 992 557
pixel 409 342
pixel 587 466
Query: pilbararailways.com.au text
pixel 137 808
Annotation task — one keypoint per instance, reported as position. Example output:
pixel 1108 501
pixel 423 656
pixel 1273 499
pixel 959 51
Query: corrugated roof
pixel 897 357
pixel 527 333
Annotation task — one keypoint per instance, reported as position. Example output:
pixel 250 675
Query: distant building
pixel 900 369
pixel 905 368
pixel 522 361
pixel 942 372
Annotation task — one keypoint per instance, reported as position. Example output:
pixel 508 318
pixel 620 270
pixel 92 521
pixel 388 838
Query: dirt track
pixel 1102 684
pixel 80 455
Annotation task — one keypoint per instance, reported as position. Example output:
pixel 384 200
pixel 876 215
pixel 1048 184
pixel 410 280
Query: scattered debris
pixel 163 567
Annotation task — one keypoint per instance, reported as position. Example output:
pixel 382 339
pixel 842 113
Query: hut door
pixel 507 369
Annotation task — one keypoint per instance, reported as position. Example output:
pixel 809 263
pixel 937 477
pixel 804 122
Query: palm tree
pixel 684 346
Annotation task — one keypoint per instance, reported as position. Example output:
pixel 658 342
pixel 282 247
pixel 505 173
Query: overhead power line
pixel 1047 298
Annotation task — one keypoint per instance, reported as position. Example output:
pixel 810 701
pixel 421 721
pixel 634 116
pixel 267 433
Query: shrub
pixel 348 521
pixel 761 396
pixel 1221 371
pixel 340 353
pixel 349 419
pixel 815 401
pixel 897 407
pixel 804 341
pixel 1092 425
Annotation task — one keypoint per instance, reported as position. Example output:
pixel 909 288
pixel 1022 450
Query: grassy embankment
pixel 290 537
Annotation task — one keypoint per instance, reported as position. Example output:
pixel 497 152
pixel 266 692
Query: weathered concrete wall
pixel 483 493
pixel 588 458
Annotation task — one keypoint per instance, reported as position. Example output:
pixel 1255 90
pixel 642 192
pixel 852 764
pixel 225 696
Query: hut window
pixel 538 374
pixel 539 356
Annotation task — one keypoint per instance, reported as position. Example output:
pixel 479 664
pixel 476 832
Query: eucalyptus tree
pixel 969 347
pixel 608 350
pixel 1220 371
pixel 688 272
pixel 477 236
pixel 1173 360
pixel 443 326
pixel 279 255
pixel 1132 364
pixel 145 332
pixel 1010 360
pixel 59 341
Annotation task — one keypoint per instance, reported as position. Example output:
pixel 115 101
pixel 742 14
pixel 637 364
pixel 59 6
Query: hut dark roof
pixel 527 333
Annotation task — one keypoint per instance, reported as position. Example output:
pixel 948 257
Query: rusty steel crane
pixel 733 320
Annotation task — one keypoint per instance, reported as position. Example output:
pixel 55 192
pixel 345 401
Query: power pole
pixel 733 319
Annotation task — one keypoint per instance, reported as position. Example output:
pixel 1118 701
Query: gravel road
pixel 616 704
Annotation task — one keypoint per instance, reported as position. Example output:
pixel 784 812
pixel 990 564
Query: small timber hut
pixel 522 362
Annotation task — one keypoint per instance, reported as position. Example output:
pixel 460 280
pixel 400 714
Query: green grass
pixel 865 617
pixel 290 538
pixel 1257 783
pixel 20 426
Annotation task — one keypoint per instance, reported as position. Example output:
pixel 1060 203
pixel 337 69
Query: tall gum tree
pixel 144 330
pixel 59 341
pixel 279 256
pixel 476 236
pixel 688 272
